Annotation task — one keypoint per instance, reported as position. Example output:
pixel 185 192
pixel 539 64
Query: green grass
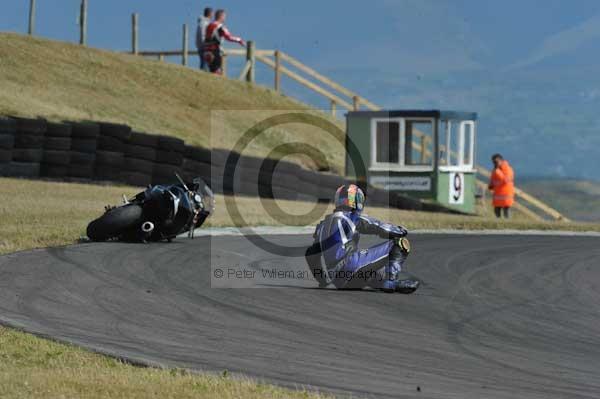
pixel 32 367
pixel 57 213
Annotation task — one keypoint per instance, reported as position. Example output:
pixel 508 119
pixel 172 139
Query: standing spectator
pixel 215 33
pixel 203 23
pixel 502 183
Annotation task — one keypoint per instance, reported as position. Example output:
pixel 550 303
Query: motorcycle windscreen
pixel 208 198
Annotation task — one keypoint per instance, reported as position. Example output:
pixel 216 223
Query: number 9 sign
pixel 457 188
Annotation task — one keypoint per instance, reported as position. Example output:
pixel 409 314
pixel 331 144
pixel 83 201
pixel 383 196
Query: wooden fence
pixel 339 97
pixel 281 64
pixel 82 20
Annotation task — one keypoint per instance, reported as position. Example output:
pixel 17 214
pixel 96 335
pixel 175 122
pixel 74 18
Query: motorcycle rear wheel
pixel 114 222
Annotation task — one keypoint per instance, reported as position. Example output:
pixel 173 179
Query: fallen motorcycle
pixel 161 212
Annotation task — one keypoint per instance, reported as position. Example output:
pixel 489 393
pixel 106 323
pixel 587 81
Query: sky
pixel 475 32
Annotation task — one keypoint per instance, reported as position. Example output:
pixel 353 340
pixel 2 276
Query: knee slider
pixel 403 244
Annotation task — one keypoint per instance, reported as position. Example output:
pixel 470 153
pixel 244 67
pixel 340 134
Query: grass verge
pixel 42 213
pixel 32 367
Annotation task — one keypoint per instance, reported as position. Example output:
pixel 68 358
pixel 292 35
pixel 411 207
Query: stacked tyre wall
pixel 8 127
pixel 110 153
pixel 113 152
pixel 28 147
pixel 57 150
pixel 84 144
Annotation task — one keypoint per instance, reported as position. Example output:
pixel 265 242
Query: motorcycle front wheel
pixel 114 222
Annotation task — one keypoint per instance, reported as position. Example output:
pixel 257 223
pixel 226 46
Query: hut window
pixel 387 142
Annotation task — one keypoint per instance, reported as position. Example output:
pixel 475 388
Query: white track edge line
pixel 295 230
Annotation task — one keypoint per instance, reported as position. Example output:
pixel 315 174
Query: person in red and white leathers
pixel 213 40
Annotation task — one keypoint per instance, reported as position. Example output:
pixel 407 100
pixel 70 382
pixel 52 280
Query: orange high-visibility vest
pixel 502 183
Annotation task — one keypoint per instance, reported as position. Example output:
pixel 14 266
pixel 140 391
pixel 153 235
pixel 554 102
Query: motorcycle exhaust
pixel 147 227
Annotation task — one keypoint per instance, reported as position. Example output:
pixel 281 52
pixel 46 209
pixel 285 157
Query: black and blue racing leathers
pixel 347 266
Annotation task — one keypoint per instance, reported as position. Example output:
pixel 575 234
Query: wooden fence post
pixel 251 59
pixel 277 83
pixel 31 29
pixel 83 23
pixel 184 59
pixel 333 107
pixel 134 33
pixel 355 103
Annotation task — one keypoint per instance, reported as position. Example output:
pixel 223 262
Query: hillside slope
pixel 58 80
pixel 578 199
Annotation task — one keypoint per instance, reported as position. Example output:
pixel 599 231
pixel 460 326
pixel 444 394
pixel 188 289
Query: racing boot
pixel 407 286
pixel 397 257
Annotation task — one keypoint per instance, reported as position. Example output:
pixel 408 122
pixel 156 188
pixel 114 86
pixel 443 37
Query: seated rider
pixel 335 258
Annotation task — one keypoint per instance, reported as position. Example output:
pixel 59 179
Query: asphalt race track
pixel 497 317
